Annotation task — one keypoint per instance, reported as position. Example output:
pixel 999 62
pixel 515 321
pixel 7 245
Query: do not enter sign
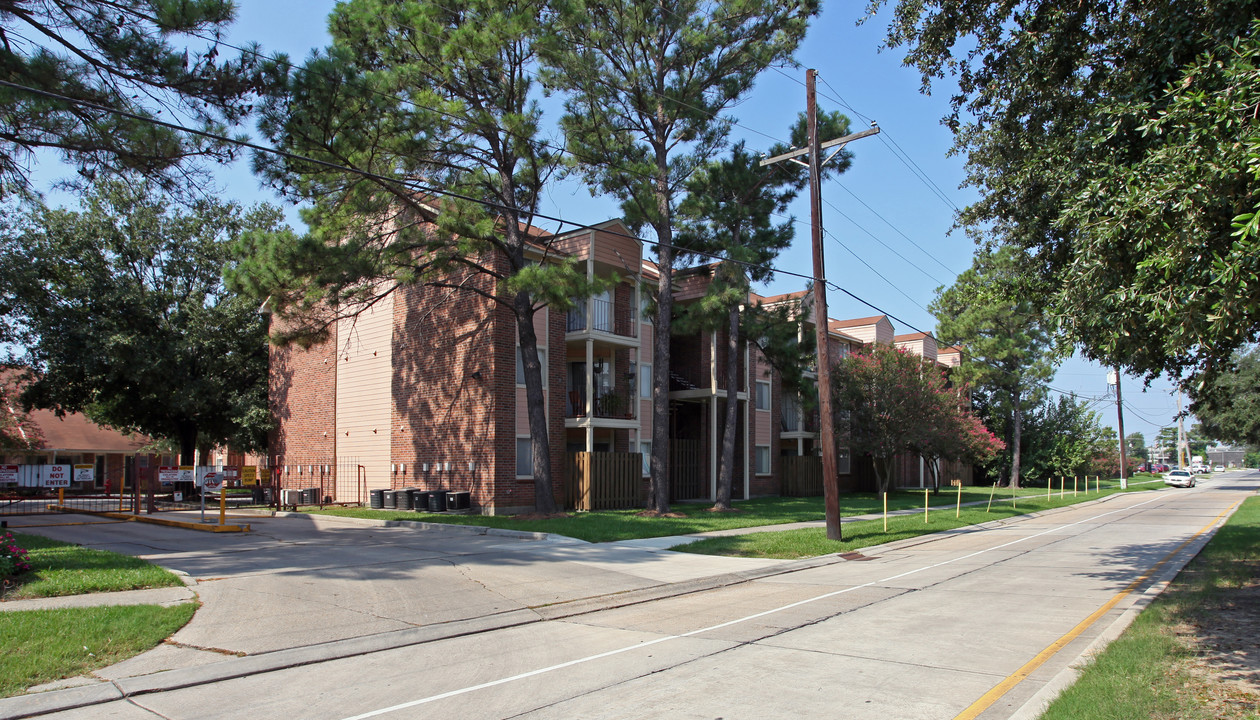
pixel 212 481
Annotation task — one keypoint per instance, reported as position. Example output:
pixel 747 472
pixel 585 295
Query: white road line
pixel 719 626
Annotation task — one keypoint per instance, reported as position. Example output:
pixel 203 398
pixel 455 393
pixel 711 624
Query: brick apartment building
pixel 425 390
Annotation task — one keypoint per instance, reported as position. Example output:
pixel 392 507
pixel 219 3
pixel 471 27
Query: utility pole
pixel 1124 451
pixel 1183 449
pixel 827 435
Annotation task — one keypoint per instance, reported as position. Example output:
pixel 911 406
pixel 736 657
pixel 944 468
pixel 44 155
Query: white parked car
pixel 1179 478
pixel 1219 468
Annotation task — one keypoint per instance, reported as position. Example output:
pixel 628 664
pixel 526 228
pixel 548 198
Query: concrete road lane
pixel 923 629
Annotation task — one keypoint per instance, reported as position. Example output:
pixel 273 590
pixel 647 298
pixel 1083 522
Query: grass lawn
pixel 45 645
pixel 612 525
pixel 1152 671
pixel 808 542
pixel 63 569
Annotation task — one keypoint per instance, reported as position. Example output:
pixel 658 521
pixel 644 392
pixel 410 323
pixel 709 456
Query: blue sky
pixel 888 239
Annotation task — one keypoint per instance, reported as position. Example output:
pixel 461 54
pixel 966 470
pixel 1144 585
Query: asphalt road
pixel 984 623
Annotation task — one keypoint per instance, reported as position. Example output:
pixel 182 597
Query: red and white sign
pixel 57 476
pixel 168 474
pixel 212 481
pixel 9 474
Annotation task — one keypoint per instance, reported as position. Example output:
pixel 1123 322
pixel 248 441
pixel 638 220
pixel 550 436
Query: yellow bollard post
pixel 1075 480
pixel 925 506
pixel 1012 496
pixel 223 504
pixel 1060 487
pixel 1049 485
pixel 989 507
pixel 885 494
pixel 958 509
pixel 61 496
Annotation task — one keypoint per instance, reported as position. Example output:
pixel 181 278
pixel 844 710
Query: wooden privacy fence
pixel 802 475
pixel 605 480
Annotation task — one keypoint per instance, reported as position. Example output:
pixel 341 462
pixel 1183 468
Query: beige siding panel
pixel 865 333
pixel 761 425
pixel 364 390
pixel 540 327
pixel 618 251
pixel 576 245
pixel 522 412
pixel 884 331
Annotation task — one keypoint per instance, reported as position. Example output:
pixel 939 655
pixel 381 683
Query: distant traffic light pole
pixel 831 489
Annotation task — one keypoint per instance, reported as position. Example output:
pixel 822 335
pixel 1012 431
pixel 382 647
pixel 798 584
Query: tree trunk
pixel 187 442
pixel 726 462
pixel 536 409
pixel 659 497
pixel 934 471
pixel 1016 429
pixel 883 473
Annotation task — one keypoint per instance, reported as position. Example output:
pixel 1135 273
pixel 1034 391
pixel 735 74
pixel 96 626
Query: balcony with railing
pixel 602 315
pixel 795 419
pixel 608 404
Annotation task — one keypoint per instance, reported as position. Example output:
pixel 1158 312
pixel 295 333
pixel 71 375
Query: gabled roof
pixel 856 322
pixel 799 295
pixel 71 433
pixel 910 337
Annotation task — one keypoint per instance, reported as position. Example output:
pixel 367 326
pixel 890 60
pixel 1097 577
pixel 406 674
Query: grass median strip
pixel 41 646
pixel 1191 654
pixel 614 525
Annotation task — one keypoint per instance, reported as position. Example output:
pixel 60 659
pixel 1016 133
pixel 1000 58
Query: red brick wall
pixel 302 399
pixel 441 413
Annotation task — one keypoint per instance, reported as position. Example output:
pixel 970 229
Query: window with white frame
pixel 763 395
pixel 524 457
pixel 763 459
pixel 520 366
pixel 645 380
pixel 645 447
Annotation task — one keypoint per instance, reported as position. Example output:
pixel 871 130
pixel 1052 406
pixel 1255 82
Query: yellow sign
pixel 264 474
pixel 249 475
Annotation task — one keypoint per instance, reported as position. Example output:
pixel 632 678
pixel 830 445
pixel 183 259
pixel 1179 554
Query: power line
pixel 874 237
pixel 897 230
pixel 892 145
pixel 420 188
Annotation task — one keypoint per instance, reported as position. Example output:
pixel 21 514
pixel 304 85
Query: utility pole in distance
pixel 831 488
pixel 1124 450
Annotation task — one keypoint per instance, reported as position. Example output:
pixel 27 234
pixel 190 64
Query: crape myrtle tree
pixel 123 316
pixel 988 311
pixel 1116 143
pixel 431 166
pixel 951 433
pixel 119 55
pixel 645 83
pixel 889 401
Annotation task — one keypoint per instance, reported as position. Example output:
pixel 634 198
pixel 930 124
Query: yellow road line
pixel 1031 666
